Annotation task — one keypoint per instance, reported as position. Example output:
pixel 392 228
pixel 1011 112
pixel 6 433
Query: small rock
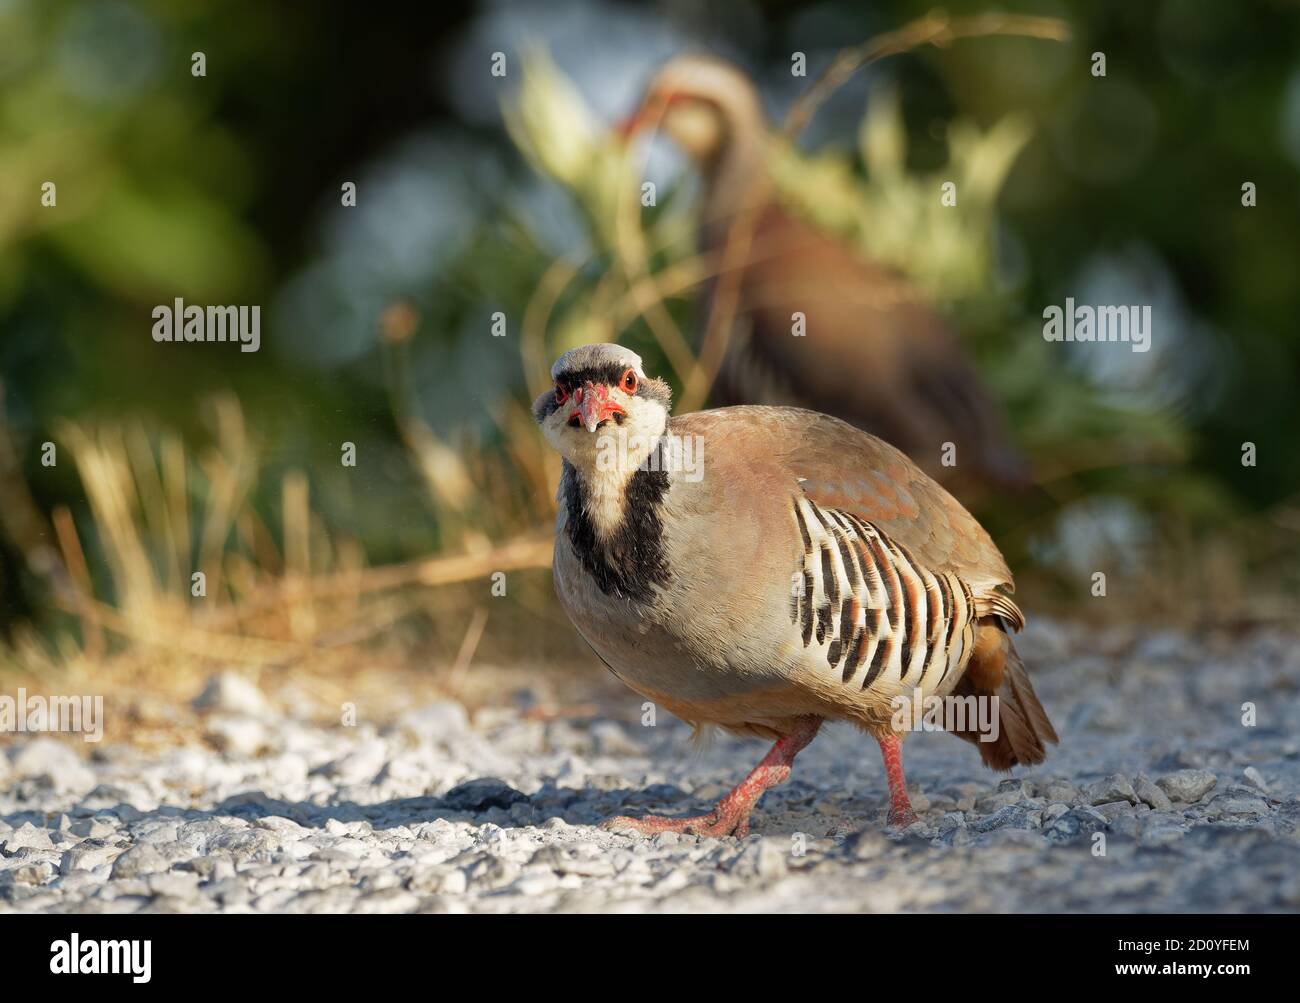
pixel 1009 836
pixel 139 861
pixel 31 874
pixel 360 765
pixel 387 900
pixel 586 860
pixel 1163 834
pixel 435 723
pixel 230 693
pixel 1236 806
pixel 1255 778
pixel 455 883
pixel 1062 791
pixel 482 794
pixel 87 855
pixel 1187 786
pixel 1009 792
pixel 53 762
pixel 951 820
pixel 535 884
pixel 180 884
pixel 284 826
pixel 611 740
pixel 1150 794
pixel 26 836
pixel 238 736
pixel 763 858
pixel 867 844
pixel 213 868
pixel 1009 817
pixel 1115 787
pixel 1074 823
pixel 157 834
pixel 490 872
pixel 430 880
pixel 1113 810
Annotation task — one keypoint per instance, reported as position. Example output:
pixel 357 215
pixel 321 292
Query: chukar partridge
pixel 764 569
pixel 874 353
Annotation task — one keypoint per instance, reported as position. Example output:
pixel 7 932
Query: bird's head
pixel 702 103
pixel 602 400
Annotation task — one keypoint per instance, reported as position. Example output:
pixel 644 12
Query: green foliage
pixel 555 129
pixel 897 216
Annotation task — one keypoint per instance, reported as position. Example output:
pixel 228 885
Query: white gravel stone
pixel 442 722
pixel 26 836
pixel 1115 787
pixel 53 762
pixel 88 856
pixel 230 693
pixel 431 814
pixel 1150 793
pixel 141 859
pixel 361 764
pixel 1187 785
pixel 239 736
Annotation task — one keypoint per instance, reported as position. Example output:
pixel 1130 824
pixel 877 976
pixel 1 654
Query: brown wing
pixel 769 452
pixel 848 469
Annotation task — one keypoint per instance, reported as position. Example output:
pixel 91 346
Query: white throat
pixel 617 454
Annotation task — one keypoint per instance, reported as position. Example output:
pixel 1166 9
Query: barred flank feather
pixel 1000 605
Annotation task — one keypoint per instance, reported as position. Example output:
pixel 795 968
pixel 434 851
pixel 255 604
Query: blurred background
pixel 480 195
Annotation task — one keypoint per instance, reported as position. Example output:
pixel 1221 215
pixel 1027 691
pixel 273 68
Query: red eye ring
pixel 628 382
pixel 561 395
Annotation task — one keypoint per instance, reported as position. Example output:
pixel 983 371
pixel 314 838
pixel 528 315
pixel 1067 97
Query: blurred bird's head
pixel 602 402
pixel 703 104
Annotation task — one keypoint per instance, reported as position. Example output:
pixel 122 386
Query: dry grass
pixel 294 595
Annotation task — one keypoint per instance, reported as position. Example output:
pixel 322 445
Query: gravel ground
pixel 433 811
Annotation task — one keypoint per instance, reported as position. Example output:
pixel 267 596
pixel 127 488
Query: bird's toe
pixel 713 825
pixel 901 819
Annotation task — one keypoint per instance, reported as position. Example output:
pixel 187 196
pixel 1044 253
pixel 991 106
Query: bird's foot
pixel 900 808
pixel 716 824
pixel 730 816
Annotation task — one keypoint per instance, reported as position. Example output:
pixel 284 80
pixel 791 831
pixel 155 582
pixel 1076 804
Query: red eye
pixel 628 382
pixel 561 395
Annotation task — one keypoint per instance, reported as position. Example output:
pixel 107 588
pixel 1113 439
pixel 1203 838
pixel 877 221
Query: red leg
pixel 731 815
pixel 900 808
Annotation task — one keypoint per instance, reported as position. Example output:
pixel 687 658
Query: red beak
pixel 593 405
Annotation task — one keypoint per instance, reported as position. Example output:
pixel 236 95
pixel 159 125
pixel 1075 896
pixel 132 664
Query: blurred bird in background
pixel 874 352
